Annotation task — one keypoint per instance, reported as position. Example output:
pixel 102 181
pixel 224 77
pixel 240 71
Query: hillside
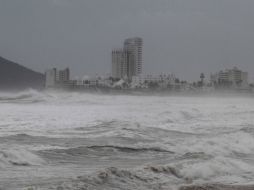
pixel 16 77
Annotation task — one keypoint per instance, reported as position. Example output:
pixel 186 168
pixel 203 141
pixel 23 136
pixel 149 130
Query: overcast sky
pixel 185 37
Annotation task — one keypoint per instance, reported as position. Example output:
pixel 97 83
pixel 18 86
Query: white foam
pixel 179 124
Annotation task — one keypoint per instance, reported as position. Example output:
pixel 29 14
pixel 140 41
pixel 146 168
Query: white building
pixel 230 77
pixel 50 78
pixel 143 81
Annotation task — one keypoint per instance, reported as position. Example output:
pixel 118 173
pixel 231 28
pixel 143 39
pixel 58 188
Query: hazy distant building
pixel 119 63
pixel 127 62
pixel 63 75
pixel 134 47
pixel 50 78
pixel 230 78
pixel 55 78
pixel 162 80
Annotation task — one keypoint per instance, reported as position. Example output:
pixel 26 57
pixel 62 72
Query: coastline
pixel 157 92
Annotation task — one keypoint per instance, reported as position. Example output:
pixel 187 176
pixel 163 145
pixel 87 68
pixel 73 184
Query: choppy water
pixel 77 141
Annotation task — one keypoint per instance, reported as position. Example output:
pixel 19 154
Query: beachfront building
pixel 119 63
pixel 50 76
pixel 150 81
pixel 134 47
pixel 63 76
pixel 55 78
pixel 230 78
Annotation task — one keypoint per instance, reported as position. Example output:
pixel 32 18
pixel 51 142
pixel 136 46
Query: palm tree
pixel 202 77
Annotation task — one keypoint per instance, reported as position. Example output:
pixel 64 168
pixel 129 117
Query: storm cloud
pixel 185 37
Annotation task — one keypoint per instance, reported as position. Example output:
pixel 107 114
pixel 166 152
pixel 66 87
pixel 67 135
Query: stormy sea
pixel 92 141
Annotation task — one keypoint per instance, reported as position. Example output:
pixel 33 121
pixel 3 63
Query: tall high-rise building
pixel 119 63
pixel 134 47
pixel 127 62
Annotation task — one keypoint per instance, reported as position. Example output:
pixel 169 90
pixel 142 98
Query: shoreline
pixel 158 92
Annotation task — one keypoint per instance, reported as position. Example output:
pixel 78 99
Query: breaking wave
pixel 148 178
pixel 28 96
pixel 131 149
pixel 144 143
pixel 15 157
pixel 217 187
pixel 248 129
pixel 85 150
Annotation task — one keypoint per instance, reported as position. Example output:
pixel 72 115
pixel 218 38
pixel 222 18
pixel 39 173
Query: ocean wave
pixel 196 155
pixel 113 178
pixel 23 138
pixel 132 149
pixel 85 150
pixel 218 187
pixel 17 157
pixel 216 169
pixel 147 178
pixel 187 115
pixel 248 129
pixel 165 169
pixel 28 96
pixel 192 114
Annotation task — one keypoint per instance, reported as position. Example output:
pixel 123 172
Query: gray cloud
pixel 181 36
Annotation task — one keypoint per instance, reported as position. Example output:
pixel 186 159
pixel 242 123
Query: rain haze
pixel 185 37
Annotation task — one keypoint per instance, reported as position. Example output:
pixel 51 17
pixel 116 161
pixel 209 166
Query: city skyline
pixel 229 79
pixel 181 37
